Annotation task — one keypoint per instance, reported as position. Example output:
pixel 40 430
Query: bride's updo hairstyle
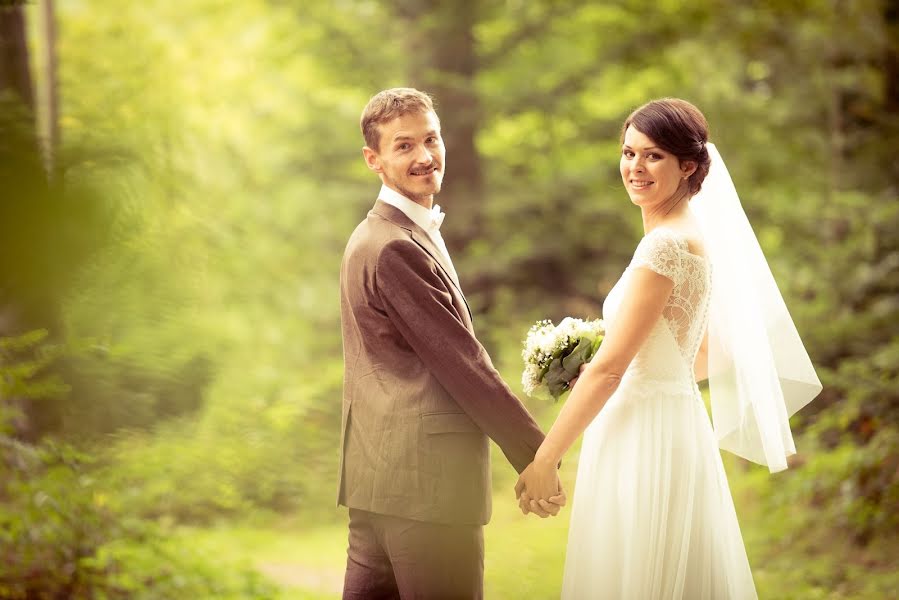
pixel 677 127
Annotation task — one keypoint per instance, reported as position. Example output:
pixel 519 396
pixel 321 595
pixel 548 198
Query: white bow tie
pixel 437 217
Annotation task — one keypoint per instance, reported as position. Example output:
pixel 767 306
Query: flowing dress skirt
pixel 652 515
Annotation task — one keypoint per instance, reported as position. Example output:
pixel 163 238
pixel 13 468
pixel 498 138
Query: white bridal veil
pixel 759 371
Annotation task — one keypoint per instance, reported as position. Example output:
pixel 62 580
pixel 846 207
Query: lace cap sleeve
pixel 661 251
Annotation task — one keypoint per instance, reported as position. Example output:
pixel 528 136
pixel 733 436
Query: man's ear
pixel 372 159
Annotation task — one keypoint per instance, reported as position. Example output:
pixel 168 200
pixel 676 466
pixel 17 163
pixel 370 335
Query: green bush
pixel 245 455
pixel 63 535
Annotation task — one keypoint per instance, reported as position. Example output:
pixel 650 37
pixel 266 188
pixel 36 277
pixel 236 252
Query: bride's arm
pixel 641 306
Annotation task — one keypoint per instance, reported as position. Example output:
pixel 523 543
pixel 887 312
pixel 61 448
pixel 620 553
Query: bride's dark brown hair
pixel 677 127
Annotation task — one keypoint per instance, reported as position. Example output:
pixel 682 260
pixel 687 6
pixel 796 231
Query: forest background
pixel 178 181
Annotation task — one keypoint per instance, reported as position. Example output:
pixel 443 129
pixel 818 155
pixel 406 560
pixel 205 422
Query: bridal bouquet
pixel 553 354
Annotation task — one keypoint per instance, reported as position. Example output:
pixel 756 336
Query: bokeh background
pixel 178 180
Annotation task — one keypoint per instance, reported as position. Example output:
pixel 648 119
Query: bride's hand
pixel 580 372
pixel 539 491
pixel 550 507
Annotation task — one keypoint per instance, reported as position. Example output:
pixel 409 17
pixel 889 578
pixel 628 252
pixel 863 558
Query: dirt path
pixel 300 576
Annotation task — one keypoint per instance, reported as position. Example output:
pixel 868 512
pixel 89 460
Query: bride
pixel 652 513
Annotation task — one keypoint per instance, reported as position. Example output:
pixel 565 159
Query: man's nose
pixel 422 155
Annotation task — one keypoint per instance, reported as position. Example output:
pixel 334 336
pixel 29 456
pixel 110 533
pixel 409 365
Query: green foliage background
pixel 169 321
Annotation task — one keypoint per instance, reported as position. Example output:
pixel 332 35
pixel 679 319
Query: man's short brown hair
pixel 387 105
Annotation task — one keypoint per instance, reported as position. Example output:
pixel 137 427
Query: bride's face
pixel 650 175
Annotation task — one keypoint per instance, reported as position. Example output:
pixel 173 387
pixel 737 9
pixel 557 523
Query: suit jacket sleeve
pixel 419 304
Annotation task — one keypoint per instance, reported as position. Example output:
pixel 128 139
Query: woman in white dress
pixel 652 514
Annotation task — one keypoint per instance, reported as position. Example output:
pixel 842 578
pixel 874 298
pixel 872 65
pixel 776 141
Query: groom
pixel 421 396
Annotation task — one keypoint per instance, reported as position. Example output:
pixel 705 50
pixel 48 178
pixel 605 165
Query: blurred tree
pixel 439 40
pixel 555 86
pixel 60 235
pixel 50 109
pixel 15 75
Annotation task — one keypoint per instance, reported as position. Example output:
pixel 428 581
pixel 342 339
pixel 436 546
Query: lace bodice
pixel 670 350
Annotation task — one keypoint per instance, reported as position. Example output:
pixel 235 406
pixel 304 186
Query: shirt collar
pixel 419 215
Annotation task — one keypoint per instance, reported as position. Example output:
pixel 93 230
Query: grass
pixel 794 553
pixel 306 560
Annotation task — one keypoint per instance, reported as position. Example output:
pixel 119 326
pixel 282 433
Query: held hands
pixel 539 491
pixel 545 504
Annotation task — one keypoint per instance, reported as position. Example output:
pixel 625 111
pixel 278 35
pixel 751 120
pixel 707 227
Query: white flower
pixel 545 341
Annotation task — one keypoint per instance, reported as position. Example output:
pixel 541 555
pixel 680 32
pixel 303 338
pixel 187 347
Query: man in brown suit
pixel 421 396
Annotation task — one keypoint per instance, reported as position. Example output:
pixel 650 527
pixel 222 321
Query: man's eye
pixel 403 147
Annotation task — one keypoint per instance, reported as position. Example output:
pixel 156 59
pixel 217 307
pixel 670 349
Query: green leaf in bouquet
pixel 557 355
pixel 594 346
pixel 561 371
pixel 542 374
pixel 556 378
pixel 581 354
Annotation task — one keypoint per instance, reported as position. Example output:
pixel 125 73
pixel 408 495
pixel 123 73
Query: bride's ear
pixel 688 167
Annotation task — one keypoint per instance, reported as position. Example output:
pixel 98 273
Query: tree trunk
pixel 836 118
pixel 891 73
pixel 14 71
pixel 18 147
pixel 443 62
pixel 51 108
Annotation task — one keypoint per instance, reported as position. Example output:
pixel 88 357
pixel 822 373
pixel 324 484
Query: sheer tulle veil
pixel 759 371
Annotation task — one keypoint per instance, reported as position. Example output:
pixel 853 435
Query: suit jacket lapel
pixel 420 236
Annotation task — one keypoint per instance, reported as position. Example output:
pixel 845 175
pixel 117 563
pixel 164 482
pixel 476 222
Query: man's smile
pixel 425 171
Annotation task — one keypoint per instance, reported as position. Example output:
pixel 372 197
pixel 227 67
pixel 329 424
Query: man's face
pixel 411 156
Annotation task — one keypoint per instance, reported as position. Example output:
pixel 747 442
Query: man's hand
pixel 539 491
pixel 542 508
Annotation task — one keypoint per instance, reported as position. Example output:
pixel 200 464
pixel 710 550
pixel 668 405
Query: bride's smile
pixel 651 176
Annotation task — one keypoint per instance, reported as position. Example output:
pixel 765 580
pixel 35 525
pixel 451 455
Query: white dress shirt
pixel 421 216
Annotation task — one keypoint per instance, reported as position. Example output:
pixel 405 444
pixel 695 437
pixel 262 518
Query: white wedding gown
pixel 652 515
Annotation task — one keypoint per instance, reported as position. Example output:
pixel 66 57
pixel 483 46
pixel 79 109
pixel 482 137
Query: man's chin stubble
pixel 413 196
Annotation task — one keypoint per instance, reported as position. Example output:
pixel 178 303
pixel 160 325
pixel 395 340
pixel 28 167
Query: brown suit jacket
pixel 421 395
